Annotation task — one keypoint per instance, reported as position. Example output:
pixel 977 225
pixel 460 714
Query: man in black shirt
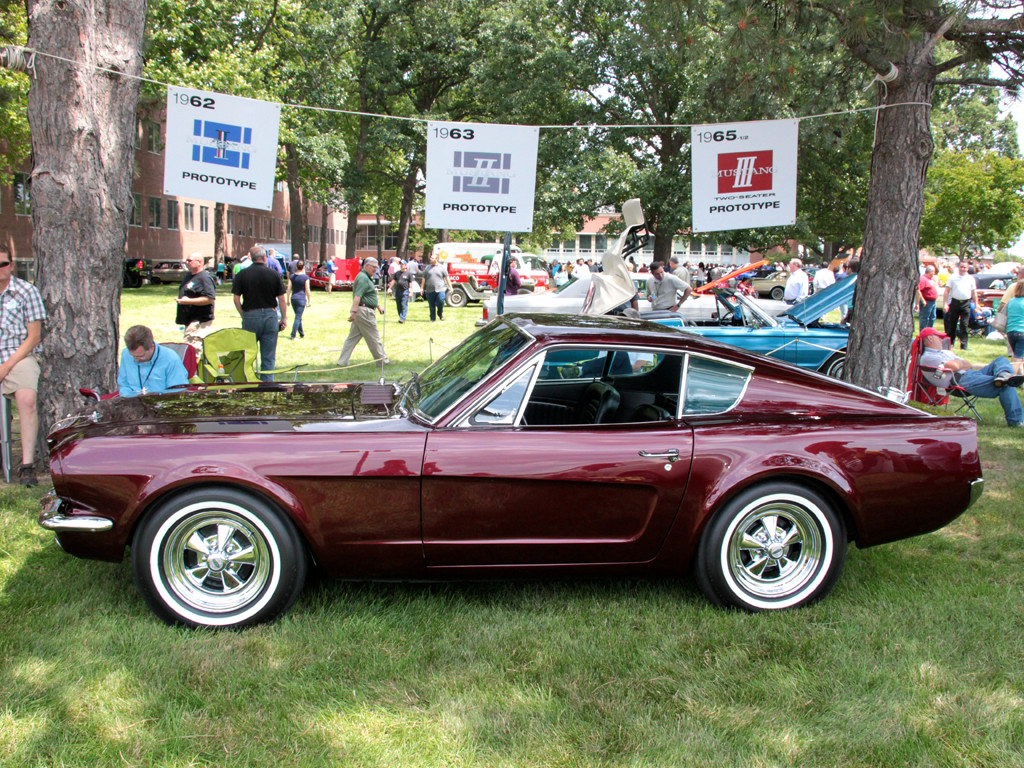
pixel 196 295
pixel 260 300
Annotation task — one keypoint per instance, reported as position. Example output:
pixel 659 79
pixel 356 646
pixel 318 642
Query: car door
pixel 508 494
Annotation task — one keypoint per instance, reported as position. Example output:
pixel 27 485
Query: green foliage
pixel 16 144
pixel 973 202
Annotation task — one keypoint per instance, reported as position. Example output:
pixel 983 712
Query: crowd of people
pixel 263 286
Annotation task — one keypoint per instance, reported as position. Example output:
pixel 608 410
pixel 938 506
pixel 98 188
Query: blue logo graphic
pixel 220 144
pixel 492 176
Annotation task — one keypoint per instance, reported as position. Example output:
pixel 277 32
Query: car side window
pixel 712 386
pixel 573 364
pixel 504 406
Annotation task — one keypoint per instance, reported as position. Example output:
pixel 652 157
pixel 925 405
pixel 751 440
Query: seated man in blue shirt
pixel 146 367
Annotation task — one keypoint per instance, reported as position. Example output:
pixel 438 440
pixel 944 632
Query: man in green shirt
pixel 362 317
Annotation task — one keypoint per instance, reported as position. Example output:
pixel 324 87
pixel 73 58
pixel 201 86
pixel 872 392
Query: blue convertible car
pixel 798 336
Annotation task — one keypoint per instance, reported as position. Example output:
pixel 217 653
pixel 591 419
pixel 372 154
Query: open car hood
pixel 821 303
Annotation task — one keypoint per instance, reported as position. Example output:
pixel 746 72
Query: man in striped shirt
pixel 21 329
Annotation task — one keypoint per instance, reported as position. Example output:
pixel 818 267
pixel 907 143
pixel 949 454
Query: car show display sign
pixel 480 176
pixel 744 174
pixel 221 148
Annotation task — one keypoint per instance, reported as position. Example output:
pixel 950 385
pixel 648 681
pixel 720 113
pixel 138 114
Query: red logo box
pixel 745 171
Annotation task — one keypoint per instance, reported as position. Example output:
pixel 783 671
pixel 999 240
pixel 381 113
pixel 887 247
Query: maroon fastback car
pixel 542 445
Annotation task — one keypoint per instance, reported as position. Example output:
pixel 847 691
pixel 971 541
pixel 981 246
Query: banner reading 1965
pixel 221 148
pixel 480 176
pixel 744 175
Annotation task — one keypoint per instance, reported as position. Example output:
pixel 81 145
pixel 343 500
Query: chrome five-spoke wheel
pixel 773 547
pixel 218 558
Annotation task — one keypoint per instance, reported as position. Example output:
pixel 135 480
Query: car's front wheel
pixel 774 546
pixel 218 557
pixel 778 292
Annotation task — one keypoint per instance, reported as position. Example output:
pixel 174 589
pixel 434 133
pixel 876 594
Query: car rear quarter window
pixel 712 386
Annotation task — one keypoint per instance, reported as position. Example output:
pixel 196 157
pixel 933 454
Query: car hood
pixel 234 408
pixel 821 303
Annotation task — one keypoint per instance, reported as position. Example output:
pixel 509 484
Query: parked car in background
pixel 801 335
pixel 770 282
pixel 166 272
pixel 540 446
pixel 991 287
pixel 569 297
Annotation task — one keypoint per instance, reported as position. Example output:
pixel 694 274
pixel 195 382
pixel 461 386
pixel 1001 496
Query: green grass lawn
pixel 915 659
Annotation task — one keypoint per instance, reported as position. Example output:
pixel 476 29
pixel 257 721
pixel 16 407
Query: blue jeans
pixel 927 316
pixel 264 323
pixel 298 307
pixel 435 300
pixel 402 300
pixel 1016 339
pixel 981 383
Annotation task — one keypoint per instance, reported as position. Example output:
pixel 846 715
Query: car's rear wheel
pixel 218 557
pixel 778 292
pixel 774 546
pixel 457 298
pixel 835 365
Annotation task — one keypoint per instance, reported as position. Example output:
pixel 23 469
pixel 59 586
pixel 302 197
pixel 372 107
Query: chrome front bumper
pixel 54 517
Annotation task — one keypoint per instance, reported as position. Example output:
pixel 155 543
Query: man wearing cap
pixel 362 317
pixel 996 379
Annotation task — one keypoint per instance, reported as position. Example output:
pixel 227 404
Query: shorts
pixel 25 375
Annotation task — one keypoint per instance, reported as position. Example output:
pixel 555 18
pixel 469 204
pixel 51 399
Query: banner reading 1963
pixel 480 176
pixel 221 148
pixel 744 174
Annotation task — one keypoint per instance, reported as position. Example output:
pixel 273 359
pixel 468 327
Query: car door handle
pixel 672 454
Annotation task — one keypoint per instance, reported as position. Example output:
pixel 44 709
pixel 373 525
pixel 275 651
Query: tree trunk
pixel 83 137
pixel 325 212
pixel 883 328
pixel 405 217
pixel 219 209
pixel 296 208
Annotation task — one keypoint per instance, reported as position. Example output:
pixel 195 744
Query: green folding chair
pixel 232 355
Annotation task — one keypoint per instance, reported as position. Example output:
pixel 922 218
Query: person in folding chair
pixel 941 368
pixel 147 367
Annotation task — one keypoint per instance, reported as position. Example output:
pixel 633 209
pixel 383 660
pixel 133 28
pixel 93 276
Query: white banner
pixel 744 174
pixel 481 176
pixel 221 148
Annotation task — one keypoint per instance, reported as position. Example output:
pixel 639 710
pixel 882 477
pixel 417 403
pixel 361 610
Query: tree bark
pixel 880 338
pixel 405 217
pixel 219 211
pixel 83 130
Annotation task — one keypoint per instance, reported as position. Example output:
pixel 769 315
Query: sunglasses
pixel 4 264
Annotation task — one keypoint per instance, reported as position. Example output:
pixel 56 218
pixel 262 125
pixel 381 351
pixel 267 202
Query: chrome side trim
pixel 977 486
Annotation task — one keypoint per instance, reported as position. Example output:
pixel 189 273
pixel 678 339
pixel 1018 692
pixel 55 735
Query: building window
pixel 586 243
pixel 22 194
pixel 135 220
pixel 367 237
pixel 190 216
pixel 154 212
pixel 288 231
pixel 231 223
pixel 153 137
pixel 172 214
pixel 204 218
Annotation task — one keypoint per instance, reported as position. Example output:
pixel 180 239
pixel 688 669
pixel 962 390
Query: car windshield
pixel 455 374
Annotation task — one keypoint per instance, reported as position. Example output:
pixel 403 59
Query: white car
pixel 569 298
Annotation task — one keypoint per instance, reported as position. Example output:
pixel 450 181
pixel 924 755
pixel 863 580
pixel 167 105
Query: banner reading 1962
pixel 221 148
pixel 744 174
pixel 480 176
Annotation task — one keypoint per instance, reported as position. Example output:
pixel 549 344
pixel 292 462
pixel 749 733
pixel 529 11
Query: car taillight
pixel 486 316
pixel 138 264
